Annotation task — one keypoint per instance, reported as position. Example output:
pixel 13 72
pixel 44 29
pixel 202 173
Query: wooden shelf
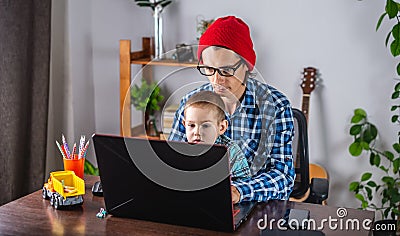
pixel 142 57
pixel 163 62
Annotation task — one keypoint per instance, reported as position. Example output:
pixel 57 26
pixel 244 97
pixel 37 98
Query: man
pixel 260 117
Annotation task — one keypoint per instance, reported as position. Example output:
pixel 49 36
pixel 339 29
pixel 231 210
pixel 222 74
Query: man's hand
pixel 235 194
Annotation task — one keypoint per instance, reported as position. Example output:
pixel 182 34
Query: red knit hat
pixel 231 33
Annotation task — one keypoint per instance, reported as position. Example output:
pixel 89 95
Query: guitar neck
pixel 305 105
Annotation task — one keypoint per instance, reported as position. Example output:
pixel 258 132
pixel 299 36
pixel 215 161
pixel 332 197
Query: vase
pixel 150 125
pixel 158 34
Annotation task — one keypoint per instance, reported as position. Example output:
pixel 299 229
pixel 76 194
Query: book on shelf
pixel 168 118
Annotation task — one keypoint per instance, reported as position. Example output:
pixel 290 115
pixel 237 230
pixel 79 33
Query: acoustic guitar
pixel 308 84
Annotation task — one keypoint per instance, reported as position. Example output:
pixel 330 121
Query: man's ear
pixel 223 125
pixel 183 122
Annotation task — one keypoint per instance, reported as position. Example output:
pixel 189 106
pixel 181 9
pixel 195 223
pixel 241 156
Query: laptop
pixel 168 182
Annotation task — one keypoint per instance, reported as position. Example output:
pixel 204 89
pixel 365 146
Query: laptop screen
pixel 168 182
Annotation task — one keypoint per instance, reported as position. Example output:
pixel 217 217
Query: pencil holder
pixel 76 165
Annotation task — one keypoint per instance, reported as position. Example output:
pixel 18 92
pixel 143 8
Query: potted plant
pixel 365 136
pixel 146 98
pixel 202 25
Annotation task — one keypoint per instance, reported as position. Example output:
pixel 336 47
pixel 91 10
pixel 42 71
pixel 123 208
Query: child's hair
pixel 207 99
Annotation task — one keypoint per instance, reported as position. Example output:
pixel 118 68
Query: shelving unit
pixel 142 57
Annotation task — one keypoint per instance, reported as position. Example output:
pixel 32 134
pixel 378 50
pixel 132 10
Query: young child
pixel 205 123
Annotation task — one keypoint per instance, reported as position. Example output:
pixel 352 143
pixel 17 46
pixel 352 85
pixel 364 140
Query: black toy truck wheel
pixel 44 193
pixel 52 199
pixel 56 204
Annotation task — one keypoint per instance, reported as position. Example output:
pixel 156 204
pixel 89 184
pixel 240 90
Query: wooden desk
pixel 32 215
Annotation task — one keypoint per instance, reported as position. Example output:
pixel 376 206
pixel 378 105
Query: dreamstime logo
pixel 333 223
pixel 341 212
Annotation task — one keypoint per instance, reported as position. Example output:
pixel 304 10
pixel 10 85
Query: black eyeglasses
pixel 223 71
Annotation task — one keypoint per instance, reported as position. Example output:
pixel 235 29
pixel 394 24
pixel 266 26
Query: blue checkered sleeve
pixel 276 179
pixel 238 163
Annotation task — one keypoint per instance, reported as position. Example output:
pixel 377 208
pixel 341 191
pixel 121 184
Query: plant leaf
pixel 395 94
pixel 386 212
pixel 394 193
pixel 365 145
pixel 370 133
pixel 355 129
pixel 360 112
pixel 396 31
pixel 387 38
pixel 393 108
pixel 354 186
pixel 384 200
pixel 366 176
pixel 396 211
pixel 383 168
pixel 396 147
pixel 355 149
pixel 371 184
pixel 90 169
pixel 372 159
pixel 388 180
pixel 395 47
pixel 397 86
pixel 360 197
pixel 380 21
pixel 396 165
pixel 364 205
pixel 377 160
pixel 369 193
pixel 391 8
pixel 356 118
pixel 389 155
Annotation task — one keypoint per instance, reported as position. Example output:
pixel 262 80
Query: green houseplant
pixel 365 136
pixel 90 169
pixel 202 25
pixel 146 98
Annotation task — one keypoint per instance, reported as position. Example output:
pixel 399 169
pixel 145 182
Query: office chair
pixel 305 190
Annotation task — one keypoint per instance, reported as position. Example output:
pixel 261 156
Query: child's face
pixel 202 125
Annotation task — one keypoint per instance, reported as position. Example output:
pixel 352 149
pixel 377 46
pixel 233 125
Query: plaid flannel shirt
pixel 262 125
pixel 237 161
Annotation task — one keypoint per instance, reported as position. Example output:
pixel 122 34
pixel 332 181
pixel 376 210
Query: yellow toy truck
pixel 64 188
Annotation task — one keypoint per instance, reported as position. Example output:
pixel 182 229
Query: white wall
pixel 337 37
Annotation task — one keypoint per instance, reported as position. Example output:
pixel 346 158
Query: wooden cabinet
pixel 142 57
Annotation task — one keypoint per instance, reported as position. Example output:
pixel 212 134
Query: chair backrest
pixel 300 154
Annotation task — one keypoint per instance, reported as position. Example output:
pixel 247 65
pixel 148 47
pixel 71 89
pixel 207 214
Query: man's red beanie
pixel 231 33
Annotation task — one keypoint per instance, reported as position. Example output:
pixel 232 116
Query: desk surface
pixel 32 215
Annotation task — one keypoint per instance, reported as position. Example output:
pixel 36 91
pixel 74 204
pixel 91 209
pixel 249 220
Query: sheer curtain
pixel 24 93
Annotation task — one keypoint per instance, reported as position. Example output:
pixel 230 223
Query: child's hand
pixel 235 195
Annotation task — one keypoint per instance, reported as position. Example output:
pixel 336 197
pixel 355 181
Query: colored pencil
pixel 81 146
pixel 65 144
pixel 73 151
pixel 85 149
pixel 65 152
pixel 59 148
